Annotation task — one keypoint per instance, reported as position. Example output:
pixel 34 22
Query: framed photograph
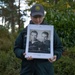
pixel 39 42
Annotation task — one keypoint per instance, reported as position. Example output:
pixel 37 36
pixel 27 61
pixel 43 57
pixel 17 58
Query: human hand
pixel 53 59
pixel 29 57
pixel 24 54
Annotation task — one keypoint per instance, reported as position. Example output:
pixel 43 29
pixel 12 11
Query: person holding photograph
pixel 32 66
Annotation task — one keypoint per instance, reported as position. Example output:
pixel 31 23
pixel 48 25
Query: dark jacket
pixel 20 45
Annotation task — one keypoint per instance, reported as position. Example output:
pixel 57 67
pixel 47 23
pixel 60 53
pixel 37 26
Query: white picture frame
pixel 41 52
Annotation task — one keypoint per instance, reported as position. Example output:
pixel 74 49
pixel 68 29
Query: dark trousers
pixel 37 68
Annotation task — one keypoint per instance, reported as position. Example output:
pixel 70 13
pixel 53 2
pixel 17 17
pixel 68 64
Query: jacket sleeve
pixel 58 48
pixel 18 47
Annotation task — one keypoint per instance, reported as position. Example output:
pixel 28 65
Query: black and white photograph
pixel 39 41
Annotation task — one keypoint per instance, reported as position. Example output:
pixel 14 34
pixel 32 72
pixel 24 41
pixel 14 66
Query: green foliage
pixel 66 65
pixel 64 22
pixel 6 40
pixel 9 65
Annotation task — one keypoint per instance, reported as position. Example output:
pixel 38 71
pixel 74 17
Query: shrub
pixel 6 40
pixel 66 65
pixel 9 65
pixel 64 22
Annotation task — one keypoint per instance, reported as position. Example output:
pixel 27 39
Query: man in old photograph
pixel 45 43
pixel 34 43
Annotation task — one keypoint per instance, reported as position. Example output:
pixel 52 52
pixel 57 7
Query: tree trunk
pixel 19 16
pixel 55 1
pixel 12 18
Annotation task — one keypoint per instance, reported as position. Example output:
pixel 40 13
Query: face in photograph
pixel 44 36
pixel 33 36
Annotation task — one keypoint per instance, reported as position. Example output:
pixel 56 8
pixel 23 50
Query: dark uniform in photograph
pixel 45 46
pixel 34 47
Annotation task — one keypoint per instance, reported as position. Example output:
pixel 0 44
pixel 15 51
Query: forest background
pixel 60 13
